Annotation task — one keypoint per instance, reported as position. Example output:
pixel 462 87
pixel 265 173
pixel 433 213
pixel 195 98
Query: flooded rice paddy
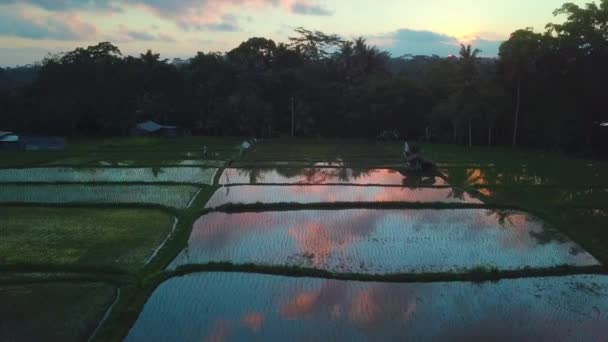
pixel 321 176
pixel 381 241
pixel 99 175
pixel 246 307
pixel 177 196
pixel 303 194
pixel 234 306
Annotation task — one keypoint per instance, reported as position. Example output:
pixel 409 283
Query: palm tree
pixel 518 54
pixel 356 59
pixel 468 59
pixel 468 69
pixel 492 97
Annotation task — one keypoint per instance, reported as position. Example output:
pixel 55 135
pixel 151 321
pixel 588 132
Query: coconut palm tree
pixel 468 73
pixel 518 55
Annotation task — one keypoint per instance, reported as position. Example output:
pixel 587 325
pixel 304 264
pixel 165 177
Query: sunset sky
pixel 29 29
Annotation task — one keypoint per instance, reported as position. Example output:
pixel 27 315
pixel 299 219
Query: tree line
pixel 545 89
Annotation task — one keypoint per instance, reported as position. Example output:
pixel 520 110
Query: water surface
pixel 250 194
pixel 246 307
pixel 381 241
pixel 316 175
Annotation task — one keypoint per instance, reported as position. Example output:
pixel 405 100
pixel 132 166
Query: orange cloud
pixel 364 309
pixel 218 332
pixel 301 306
pixel 315 238
pixel 253 320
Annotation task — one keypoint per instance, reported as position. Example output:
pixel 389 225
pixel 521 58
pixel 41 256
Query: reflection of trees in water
pixel 501 215
pixel 494 175
pixel 253 173
pixel 547 235
pixel 323 175
pixel 157 171
pixel 457 193
pixel 417 181
pixel 508 219
pixel 458 177
pixel 413 180
pixel 521 174
pixel 312 175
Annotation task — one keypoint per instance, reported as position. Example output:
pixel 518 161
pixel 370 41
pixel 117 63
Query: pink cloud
pixel 187 14
pixel 57 26
pixel 192 14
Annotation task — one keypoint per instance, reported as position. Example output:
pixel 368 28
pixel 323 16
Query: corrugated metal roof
pixel 8 137
pixel 151 126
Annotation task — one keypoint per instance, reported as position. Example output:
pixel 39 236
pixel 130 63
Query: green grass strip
pixel 478 274
pixel 261 207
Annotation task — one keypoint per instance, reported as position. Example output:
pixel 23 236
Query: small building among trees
pixel 13 142
pixel 151 128
pixel 9 141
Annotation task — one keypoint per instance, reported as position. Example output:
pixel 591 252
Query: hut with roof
pixel 9 141
pixel 152 128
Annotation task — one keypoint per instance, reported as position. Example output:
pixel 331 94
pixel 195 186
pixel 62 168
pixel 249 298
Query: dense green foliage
pixel 11 78
pixel 545 90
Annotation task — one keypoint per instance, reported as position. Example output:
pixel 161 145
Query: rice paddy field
pixel 175 196
pixel 83 228
pixel 382 241
pixel 244 307
pixel 109 175
pixel 54 311
pixel 156 240
pixel 80 237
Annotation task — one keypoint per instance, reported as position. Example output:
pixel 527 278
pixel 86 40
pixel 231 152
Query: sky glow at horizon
pixel 29 29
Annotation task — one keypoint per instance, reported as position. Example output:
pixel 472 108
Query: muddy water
pixel 326 176
pixel 94 175
pixel 246 307
pixel 250 194
pixel 381 241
